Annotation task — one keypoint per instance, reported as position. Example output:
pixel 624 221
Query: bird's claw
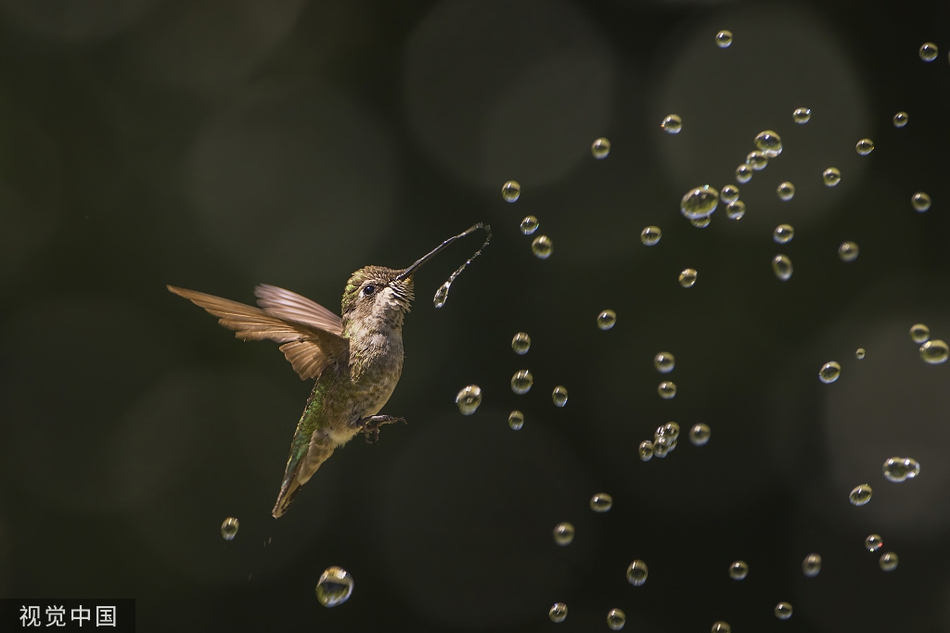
pixel 370 426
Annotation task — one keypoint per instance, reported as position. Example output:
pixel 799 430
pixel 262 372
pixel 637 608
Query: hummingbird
pixel 355 359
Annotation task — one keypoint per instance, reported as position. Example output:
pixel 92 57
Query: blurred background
pixel 217 145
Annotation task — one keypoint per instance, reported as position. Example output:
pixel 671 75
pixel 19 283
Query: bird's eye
pixel 368 290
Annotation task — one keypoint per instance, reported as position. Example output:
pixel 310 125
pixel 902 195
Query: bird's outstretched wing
pixel 309 344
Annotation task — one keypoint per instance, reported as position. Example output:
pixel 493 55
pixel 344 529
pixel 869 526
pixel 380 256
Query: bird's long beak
pixel 419 262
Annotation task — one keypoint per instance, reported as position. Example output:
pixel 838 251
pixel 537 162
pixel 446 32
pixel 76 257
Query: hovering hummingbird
pixel 356 358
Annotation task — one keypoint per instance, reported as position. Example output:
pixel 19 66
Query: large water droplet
pixel 521 382
pixel 651 235
pixel 563 533
pixel 664 362
pixel 637 573
pixel 848 251
pixel 667 389
pixel 688 277
pixel 785 191
pixel 699 434
pixel 729 193
pixel 757 160
pixel 783 233
pixel 919 332
pixel 920 202
pixel 616 619
pixel 738 570
pixel 874 542
pixel 801 115
pixel 901 119
pixel 782 266
pixel 511 191
pixel 743 173
pixel 721 627
pixel 229 528
pixel 334 587
pixel 860 495
pixel 934 352
pixel 600 148
pixel 724 39
pixel 864 147
pixel 558 612
pixel 542 247
pixel 735 210
pixel 831 177
pixel 769 143
pixel 442 294
pixel 811 566
pixel 701 223
pixel 529 225
pixel 898 469
pixel 699 202
pixel 601 502
pixel 606 319
pixel 468 399
pixel 646 450
pixel 516 420
pixel 559 396
pixel 783 610
pixel 521 343
pixel 671 124
pixel 829 372
pixel 928 51
pixel 888 561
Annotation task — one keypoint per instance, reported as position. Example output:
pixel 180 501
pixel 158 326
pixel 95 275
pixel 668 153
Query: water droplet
pixel 606 319
pixel 688 277
pixel 699 434
pixel 888 561
pixel 529 225
pixel 831 177
pixel 542 247
pixel 521 382
pixel 811 566
pixel 729 193
pixel 735 210
pixel 920 201
pixel 743 174
pixel 860 495
pixel 928 51
pixel 559 396
pixel 516 420
pixel 664 362
pixel 616 619
pixel 901 119
pixel 521 343
pixel 468 399
pixel 783 610
pixel 601 502
pixel 919 332
pixel 701 223
pixel 229 528
pixel 558 612
pixel 860 353
pixel 724 38
pixel 864 147
pixel 660 450
pixel 785 191
pixel 874 542
pixel 600 148
pixel 848 251
pixel 334 587
pixel 637 573
pixel 651 235
pixel 511 191
pixel 721 627
pixel 898 469
pixel 829 372
pixel 783 233
pixel 699 202
pixel 738 570
pixel 563 533
pixel 671 124
pixel 769 143
pixel 441 295
pixel 669 431
pixel 757 160
pixel 666 389
pixel 934 352
pixel 646 451
pixel 801 115
pixel 782 266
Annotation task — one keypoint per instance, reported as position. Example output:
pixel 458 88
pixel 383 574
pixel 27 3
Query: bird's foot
pixel 370 426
